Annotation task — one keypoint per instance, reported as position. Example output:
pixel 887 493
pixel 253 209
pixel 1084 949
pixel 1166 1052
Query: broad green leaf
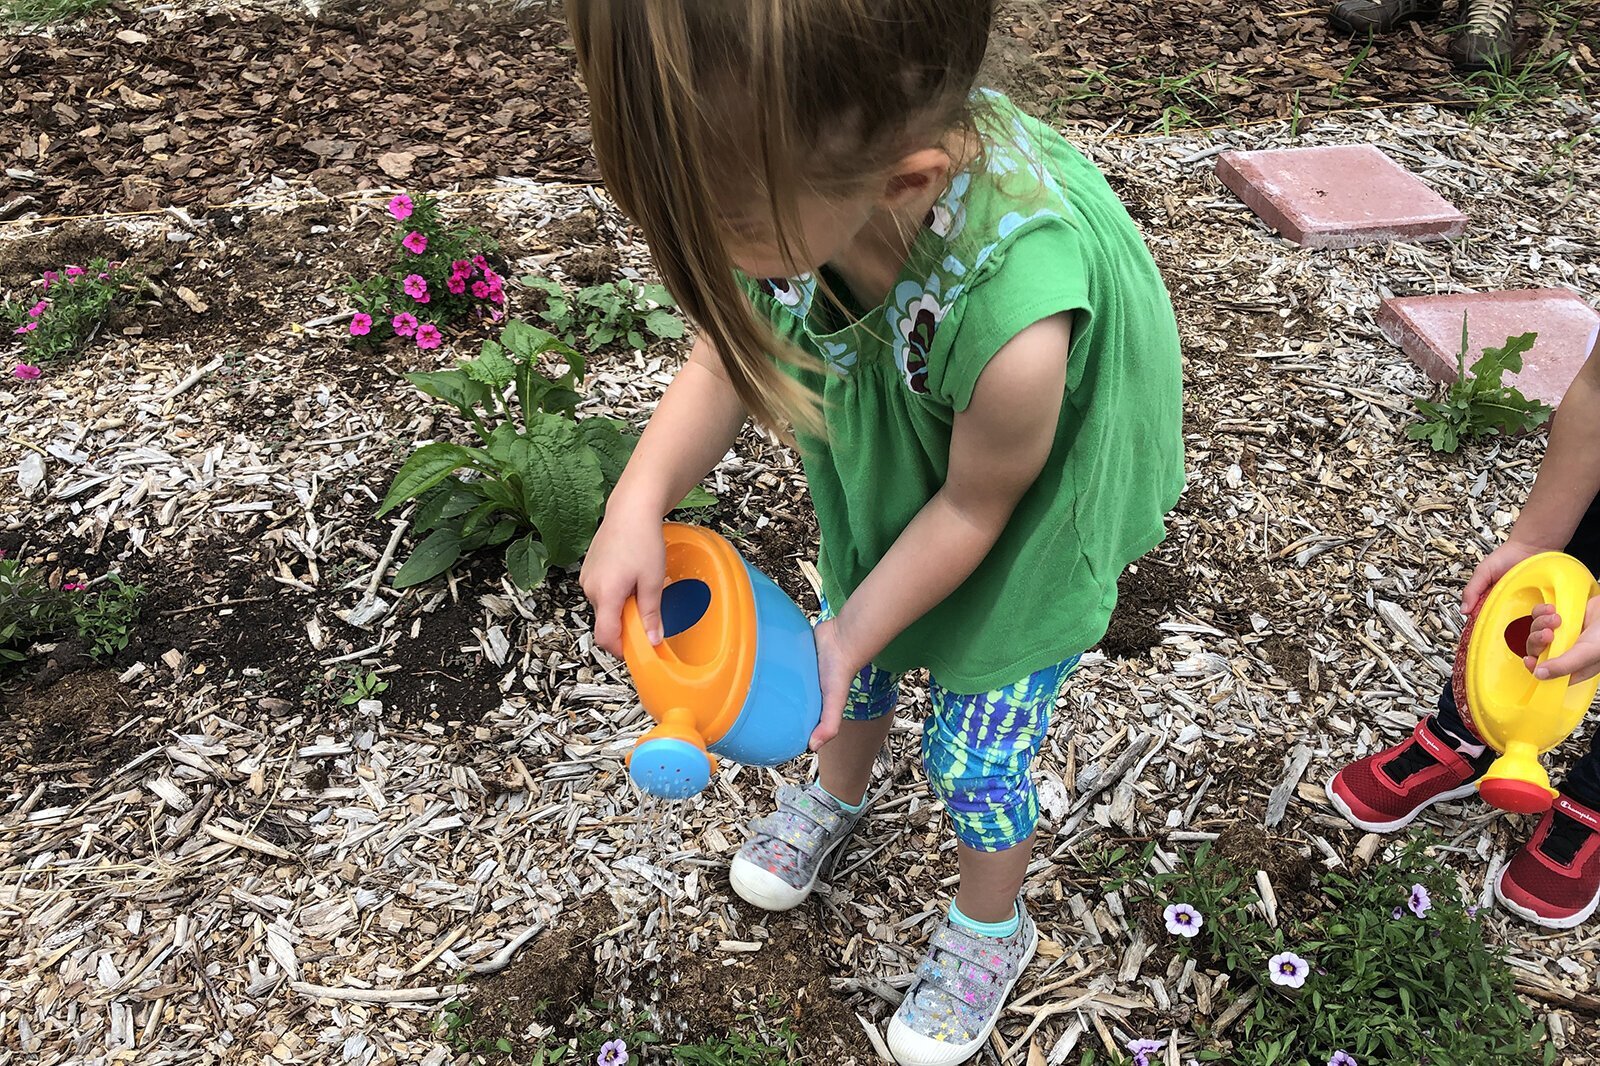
pixel 501 441
pixel 451 386
pixel 527 341
pixel 636 340
pixel 1490 368
pixel 428 465
pixel 492 368
pixel 477 521
pixel 559 400
pixel 451 499
pixel 612 445
pixel 561 487
pixel 437 553
pixel 664 323
pixel 501 532
pixel 698 497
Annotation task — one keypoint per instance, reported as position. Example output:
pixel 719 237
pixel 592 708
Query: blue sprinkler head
pixel 670 769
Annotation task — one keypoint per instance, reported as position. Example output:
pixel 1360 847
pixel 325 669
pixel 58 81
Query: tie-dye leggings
pixel 978 749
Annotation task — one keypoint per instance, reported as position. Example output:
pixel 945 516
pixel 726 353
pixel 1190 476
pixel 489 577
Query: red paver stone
pixel 1429 329
pixel 1339 196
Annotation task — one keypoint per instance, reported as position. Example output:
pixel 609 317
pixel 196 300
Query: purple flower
pixel 613 1053
pixel 1420 903
pixel 1183 920
pixel 1288 969
pixel 400 207
pixel 1472 910
pixel 1399 912
pixel 416 243
pixel 1342 1058
pixel 1141 1050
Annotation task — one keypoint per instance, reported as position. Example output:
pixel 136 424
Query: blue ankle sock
pixel 849 808
pixel 998 930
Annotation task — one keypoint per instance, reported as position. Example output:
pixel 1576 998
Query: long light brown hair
pixel 689 99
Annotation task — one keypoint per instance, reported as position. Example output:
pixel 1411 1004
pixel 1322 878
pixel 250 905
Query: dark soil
pixel 72 731
pixel 436 681
pixel 546 982
pixel 786 982
pixel 1147 592
pixel 212 105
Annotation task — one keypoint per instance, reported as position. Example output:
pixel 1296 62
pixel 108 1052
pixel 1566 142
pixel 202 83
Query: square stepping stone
pixel 1339 196
pixel 1428 328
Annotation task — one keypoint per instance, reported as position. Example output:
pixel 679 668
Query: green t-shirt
pixel 1032 229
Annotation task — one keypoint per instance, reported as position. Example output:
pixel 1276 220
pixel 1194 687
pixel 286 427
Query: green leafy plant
pixel 1391 965
pixel 612 312
pixel 455 1028
pixel 534 484
pixel 62 315
pixel 1479 403
pixel 32 611
pixel 440 276
pixel 362 686
pixel 1507 86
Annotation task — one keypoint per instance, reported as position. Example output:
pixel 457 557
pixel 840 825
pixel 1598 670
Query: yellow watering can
pixel 1513 711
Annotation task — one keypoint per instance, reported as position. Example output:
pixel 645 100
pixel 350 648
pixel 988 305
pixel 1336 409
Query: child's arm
pixel 999 445
pixel 693 427
pixel 1568 482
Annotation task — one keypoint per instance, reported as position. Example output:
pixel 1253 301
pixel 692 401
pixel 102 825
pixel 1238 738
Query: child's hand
pixel 1581 661
pixel 1492 569
pixel 628 557
pixel 837 669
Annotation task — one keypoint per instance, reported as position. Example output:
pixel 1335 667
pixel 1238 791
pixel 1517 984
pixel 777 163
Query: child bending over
pixel 958 320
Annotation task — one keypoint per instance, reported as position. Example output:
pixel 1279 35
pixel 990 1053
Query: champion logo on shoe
pixel 1554 880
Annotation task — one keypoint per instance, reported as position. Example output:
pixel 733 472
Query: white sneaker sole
pixel 1389 827
pixel 765 889
pixel 1540 920
pixel 911 1048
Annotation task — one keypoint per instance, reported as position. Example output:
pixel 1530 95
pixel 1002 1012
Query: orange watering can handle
pixel 636 646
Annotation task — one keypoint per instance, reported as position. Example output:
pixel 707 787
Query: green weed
pixel 1478 403
pixel 45 12
pixel 609 313
pixel 1500 92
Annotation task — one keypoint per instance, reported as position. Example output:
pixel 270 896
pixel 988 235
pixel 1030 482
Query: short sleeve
pixel 1039 271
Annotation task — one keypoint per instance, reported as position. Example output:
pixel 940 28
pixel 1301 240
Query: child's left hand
pixel 1581 661
pixel 837 669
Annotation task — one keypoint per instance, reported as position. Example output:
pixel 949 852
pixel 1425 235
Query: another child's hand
pixel 1581 661
pixel 628 557
pixel 1492 569
pixel 837 669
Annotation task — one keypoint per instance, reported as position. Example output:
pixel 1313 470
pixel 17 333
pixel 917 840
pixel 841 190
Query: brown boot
pixel 1486 39
pixel 1362 17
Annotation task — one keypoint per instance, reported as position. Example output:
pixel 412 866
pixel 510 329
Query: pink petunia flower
pixel 360 325
pixel 457 284
pixel 74 273
pixel 497 296
pixel 480 262
pixel 26 372
pixel 462 267
pixel 401 207
pixel 404 324
pixel 50 278
pixel 38 309
pixel 416 243
pixel 480 289
pixel 428 336
pixel 72 586
pixel 417 287
pixel 26 327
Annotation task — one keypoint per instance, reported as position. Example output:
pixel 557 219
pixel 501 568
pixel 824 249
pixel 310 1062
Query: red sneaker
pixel 1554 881
pixel 1387 790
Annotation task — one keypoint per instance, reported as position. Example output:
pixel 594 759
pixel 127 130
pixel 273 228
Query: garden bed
pixel 206 851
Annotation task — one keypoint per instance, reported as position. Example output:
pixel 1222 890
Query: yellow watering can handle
pixel 1571 601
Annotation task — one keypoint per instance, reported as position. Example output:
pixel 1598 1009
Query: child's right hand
pixel 628 557
pixel 1492 569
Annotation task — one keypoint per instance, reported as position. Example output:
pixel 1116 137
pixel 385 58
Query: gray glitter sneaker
pixel 961 987
pixel 788 849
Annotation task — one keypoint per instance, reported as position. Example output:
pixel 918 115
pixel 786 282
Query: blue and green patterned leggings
pixel 978 749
